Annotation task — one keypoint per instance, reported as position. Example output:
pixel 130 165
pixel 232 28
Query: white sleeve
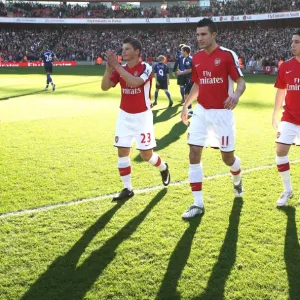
pixel 147 72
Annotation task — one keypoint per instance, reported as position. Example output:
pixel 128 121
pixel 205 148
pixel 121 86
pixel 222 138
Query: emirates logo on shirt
pixel 217 61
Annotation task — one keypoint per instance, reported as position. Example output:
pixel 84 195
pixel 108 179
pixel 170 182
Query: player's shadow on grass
pixel 167 113
pixel 221 270
pixel 178 260
pixel 21 95
pixel 59 90
pixel 292 253
pixel 64 280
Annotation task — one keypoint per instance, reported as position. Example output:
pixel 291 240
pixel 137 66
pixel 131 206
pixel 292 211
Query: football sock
pixel 182 91
pixel 48 78
pixel 283 167
pixel 156 161
pixel 168 95
pixel 235 170
pixel 125 171
pixel 196 178
pixel 155 96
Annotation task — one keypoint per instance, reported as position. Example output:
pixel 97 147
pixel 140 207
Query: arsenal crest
pixel 116 139
pixel 217 61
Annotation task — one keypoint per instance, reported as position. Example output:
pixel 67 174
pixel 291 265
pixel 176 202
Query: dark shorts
pixel 188 87
pixel 162 84
pixel 48 68
pixel 181 80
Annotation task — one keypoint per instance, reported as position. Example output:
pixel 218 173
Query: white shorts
pixel 135 126
pixel 212 127
pixel 288 133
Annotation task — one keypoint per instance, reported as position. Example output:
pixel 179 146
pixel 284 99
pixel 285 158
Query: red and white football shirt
pixel 215 74
pixel 289 78
pixel 135 100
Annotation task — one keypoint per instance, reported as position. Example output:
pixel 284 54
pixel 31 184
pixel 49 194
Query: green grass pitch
pixel 56 148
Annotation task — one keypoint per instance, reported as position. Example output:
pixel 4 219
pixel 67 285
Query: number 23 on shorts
pixel 146 138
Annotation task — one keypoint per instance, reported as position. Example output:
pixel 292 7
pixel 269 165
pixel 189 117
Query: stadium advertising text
pixel 241 18
pixel 38 64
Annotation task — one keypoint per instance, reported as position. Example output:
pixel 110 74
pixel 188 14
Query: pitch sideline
pixel 140 191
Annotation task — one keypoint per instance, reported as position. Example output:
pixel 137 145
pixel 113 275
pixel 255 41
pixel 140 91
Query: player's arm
pixel 187 71
pixel 168 79
pixel 279 98
pixel 232 100
pixel 189 100
pixel 106 83
pixel 175 66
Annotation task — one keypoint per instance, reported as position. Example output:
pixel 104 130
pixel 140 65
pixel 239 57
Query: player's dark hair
pixel 212 27
pixel 136 44
pixel 297 32
pixel 186 49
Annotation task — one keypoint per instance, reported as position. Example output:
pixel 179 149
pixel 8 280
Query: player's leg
pixel 124 167
pixel 168 94
pixel 145 142
pixel 234 164
pixel 47 79
pixel 187 89
pixel 50 79
pixel 197 136
pixel 181 83
pixel 123 141
pixel 286 135
pixel 155 160
pixel 156 93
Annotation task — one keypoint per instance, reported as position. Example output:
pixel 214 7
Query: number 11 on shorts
pixel 225 141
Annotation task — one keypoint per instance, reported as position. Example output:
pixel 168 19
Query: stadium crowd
pixel 264 45
pixel 217 8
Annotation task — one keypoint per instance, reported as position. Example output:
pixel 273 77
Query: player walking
pixel 214 69
pixel 135 120
pixel 288 131
pixel 47 56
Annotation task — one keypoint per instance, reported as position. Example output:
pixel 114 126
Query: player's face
pixel 296 45
pixel 129 53
pixel 204 37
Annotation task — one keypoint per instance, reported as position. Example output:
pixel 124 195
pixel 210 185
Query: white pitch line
pixel 140 191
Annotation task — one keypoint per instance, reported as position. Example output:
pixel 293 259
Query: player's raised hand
pixel 111 58
pixel 184 116
pixel 231 102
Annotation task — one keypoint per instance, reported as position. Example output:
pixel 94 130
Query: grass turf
pixel 57 147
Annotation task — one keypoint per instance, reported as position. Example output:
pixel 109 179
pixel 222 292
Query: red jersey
pixel 135 100
pixel 215 73
pixel 289 78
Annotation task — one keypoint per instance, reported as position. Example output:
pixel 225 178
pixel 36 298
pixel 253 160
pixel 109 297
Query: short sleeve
pixel 194 77
pixel 114 77
pixel 146 73
pixel 233 68
pixel 280 82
